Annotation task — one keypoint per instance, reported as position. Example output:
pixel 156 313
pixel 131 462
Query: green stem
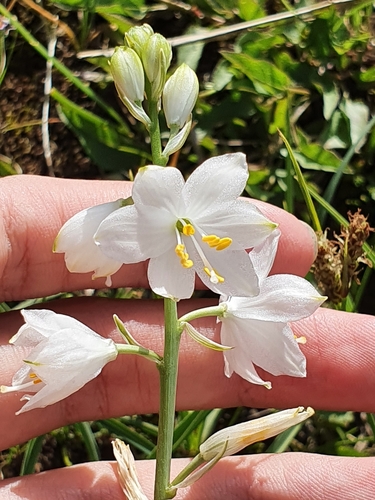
pixel 168 369
pixel 33 42
pixel 157 157
pixel 203 313
pixel 138 350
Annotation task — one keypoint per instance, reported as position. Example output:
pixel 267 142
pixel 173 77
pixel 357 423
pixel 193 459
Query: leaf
pixel 358 115
pixel 250 10
pixel 265 76
pixel 124 7
pixel 331 99
pixel 313 156
pixel 368 76
pixel 105 143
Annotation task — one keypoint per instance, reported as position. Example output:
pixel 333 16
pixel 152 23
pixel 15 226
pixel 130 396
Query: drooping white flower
pixel 127 473
pixel 76 240
pixel 65 355
pixel 258 327
pixel 198 226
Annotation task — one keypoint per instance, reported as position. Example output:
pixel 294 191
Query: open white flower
pixel 257 327
pixel 76 240
pixel 64 356
pixel 198 226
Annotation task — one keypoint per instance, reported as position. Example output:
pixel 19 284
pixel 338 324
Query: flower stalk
pixel 168 383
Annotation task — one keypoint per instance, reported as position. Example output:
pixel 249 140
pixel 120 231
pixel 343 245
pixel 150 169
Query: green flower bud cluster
pixel 139 70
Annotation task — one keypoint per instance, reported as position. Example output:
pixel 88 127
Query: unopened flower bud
pixel 156 57
pixel 180 95
pixel 126 469
pixel 137 37
pixel 127 71
pixel 233 439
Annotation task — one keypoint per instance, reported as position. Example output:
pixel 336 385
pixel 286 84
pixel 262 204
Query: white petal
pixel 263 255
pixel 40 324
pixel 218 179
pixel 69 350
pixel 169 279
pixel 238 360
pixel 271 346
pixel 76 240
pixel 134 234
pixel 282 298
pixel 233 265
pixel 159 187
pixel 156 230
pixel 117 236
pixel 239 220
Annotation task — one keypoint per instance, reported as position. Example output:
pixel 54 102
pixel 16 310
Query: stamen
pixel 188 230
pixel 35 378
pixel 224 243
pixel 214 241
pixel 213 275
pixel 211 239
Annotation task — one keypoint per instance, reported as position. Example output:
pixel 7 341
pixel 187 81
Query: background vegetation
pixel 310 76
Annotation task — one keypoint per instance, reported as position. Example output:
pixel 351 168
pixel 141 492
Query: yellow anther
pixel 180 250
pixel 211 239
pixel 36 379
pixel 187 263
pixel 213 275
pixel 214 241
pixel 188 230
pixel 224 243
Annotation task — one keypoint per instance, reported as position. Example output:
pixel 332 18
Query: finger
pixel 33 209
pixel 340 354
pixel 288 476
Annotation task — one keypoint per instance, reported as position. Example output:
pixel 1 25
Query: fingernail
pixel 313 237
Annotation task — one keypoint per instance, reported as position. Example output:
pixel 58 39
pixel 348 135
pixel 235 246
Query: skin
pixel 340 352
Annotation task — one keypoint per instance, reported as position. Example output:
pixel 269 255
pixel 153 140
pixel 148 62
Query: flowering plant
pixel 184 228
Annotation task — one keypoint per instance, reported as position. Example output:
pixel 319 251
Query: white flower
pixel 180 95
pixel 64 356
pixel 198 226
pixel 76 240
pixel 127 473
pixel 257 327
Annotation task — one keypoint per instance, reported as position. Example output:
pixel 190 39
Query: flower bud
pixel 137 37
pixel 180 95
pixel 127 71
pixel 126 470
pixel 156 57
pixel 233 439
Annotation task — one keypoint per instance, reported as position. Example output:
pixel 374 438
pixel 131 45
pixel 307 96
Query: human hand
pixel 339 350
